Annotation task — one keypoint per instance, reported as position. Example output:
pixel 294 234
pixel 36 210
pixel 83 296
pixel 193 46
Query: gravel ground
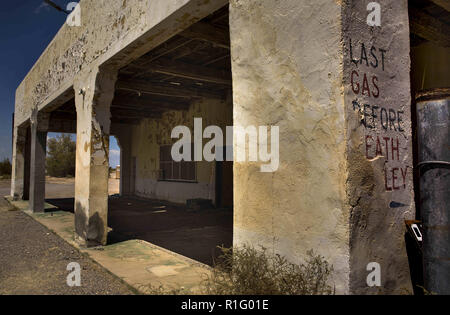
pixel 33 260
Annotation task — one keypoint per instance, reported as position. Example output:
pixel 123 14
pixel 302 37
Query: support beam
pixel 39 128
pixel 134 113
pixel 445 4
pixel 167 90
pixel 18 163
pixel 126 121
pixel 147 103
pixel 26 178
pixel 189 71
pixel 208 33
pixel 62 115
pixel 63 126
pixel 191 49
pixel 429 27
pixel 62 122
pixel 94 92
pixel 164 49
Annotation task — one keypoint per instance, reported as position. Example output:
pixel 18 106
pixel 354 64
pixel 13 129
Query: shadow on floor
pixel 194 234
pixel 65 204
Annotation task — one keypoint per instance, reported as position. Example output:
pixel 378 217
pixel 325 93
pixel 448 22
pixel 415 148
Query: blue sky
pixel 26 28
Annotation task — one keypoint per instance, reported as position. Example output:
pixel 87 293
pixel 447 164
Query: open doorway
pixel 185 207
pixel 61 158
pixel 114 166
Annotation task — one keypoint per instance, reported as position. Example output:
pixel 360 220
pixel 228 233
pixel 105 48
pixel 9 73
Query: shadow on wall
pixel 93 232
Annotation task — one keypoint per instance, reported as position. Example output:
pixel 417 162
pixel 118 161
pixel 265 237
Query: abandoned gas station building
pixel 336 81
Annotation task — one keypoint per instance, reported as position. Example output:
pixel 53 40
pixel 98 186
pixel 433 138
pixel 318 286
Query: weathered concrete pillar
pixel 18 163
pixel 379 141
pixel 39 127
pixel 94 92
pixel 344 184
pixel 123 135
pixel 27 177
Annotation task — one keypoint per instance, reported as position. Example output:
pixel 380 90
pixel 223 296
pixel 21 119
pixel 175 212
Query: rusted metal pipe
pixel 433 115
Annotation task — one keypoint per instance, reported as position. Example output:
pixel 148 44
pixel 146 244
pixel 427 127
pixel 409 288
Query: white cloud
pixel 114 152
pixel 42 6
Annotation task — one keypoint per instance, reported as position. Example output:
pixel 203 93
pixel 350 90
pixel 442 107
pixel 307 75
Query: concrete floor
pixel 194 234
pixel 142 265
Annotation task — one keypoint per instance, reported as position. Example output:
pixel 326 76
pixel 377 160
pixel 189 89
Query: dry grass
pixel 162 290
pixel 248 271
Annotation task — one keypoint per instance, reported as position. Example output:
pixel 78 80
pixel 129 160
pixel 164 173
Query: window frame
pixel 173 164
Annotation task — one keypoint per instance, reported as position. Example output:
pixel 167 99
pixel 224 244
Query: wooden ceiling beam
pixel 429 27
pixel 126 121
pixel 189 50
pixel 134 114
pixel 188 71
pixel 63 115
pixel 168 90
pixel 445 4
pixel 161 51
pixel 146 103
pixel 209 33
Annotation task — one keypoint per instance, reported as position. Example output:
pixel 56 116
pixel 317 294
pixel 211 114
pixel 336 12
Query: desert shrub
pixel 248 271
pixel 61 156
pixel 5 168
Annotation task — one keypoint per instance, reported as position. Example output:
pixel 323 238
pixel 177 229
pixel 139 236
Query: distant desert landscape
pixel 59 187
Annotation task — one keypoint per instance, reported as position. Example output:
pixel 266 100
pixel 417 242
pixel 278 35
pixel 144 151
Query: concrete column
pixel 39 127
pixel 338 190
pixel 18 163
pixel 94 92
pixel 27 177
pixel 123 135
pixel 379 141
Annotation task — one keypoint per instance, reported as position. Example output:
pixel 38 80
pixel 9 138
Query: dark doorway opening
pixel 192 67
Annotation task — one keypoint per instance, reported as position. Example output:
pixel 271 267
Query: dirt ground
pixel 194 234
pixel 58 187
pixel 33 261
pixel 5 187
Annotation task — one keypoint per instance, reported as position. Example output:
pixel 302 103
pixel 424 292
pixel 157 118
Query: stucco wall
pixel 287 72
pixel 344 186
pixel 380 185
pixel 150 134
